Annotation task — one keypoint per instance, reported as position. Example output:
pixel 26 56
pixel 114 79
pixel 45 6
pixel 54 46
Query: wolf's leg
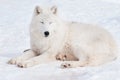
pixel 83 61
pixel 27 55
pixel 43 58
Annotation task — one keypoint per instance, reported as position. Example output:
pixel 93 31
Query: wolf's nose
pixel 46 33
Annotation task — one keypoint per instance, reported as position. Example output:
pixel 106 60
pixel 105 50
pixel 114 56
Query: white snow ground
pixel 15 16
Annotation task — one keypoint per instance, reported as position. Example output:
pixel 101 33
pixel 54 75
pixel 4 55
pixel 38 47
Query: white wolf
pixel 85 44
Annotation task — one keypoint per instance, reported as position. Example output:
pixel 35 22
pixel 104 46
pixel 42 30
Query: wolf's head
pixel 45 21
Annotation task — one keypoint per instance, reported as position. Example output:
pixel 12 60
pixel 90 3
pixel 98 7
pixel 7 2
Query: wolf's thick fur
pixel 88 44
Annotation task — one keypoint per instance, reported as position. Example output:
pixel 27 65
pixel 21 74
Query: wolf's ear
pixel 38 10
pixel 54 9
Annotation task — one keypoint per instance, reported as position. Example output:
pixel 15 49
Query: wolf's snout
pixel 46 33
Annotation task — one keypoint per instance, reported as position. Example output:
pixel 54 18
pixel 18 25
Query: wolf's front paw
pixel 61 57
pixel 26 64
pixel 15 60
pixel 66 65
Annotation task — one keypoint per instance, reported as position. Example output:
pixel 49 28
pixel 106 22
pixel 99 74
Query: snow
pixel 15 16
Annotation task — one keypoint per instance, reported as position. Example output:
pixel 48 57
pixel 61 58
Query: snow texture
pixel 15 17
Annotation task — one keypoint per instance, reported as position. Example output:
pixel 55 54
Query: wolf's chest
pixel 67 49
pixel 40 46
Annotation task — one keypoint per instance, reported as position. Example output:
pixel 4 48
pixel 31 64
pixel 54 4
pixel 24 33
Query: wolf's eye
pixel 50 22
pixel 42 22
